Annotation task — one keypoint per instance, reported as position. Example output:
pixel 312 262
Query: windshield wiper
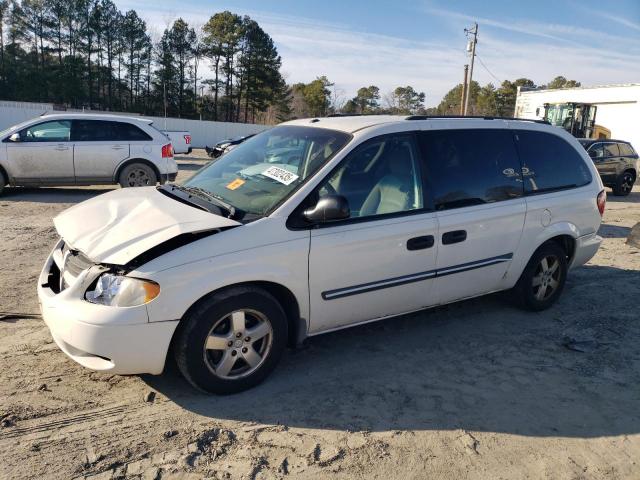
pixel 227 209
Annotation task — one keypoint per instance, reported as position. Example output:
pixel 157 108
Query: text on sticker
pixel 281 175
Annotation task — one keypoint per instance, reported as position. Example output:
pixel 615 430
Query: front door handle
pixel 455 236
pixel 420 243
pixel 61 148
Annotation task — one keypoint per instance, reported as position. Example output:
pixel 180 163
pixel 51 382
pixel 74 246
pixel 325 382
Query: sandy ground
pixel 473 390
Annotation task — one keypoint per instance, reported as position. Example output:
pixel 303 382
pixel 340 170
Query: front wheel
pixel 543 279
pixel 231 340
pixel 3 182
pixel 624 184
pixel 137 175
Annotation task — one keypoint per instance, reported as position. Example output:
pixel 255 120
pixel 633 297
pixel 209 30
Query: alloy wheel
pixel 138 178
pixel 627 182
pixel 238 344
pixel 547 278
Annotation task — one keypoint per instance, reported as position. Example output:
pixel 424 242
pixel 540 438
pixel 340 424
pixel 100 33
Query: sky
pixel 422 42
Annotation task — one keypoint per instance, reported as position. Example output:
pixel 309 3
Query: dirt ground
pixel 473 390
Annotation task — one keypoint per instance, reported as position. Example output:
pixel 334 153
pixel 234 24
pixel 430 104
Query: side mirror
pixel 329 208
pixel 15 137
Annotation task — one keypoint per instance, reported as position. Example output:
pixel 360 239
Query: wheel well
pixel 3 174
pixel 290 306
pixel 284 296
pixel 567 243
pixel 137 160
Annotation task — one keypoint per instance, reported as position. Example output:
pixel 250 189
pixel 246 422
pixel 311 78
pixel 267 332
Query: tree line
pixel 483 100
pixel 491 101
pixel 89 54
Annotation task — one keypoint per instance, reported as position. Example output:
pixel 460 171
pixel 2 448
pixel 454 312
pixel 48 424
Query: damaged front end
pixel 108 283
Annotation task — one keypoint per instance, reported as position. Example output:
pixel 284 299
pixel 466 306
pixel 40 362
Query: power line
pixel 485 67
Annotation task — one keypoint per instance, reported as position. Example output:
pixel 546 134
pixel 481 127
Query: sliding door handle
pixel 420 243
pixel 455 236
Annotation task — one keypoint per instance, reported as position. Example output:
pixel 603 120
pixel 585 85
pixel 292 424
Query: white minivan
pixel 84 149
pixel 313 226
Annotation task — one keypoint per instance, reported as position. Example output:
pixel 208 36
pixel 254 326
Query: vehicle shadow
pixel 633 197
pixel 480 365
pixel 191 165
pixel 613 231
pixel 52 194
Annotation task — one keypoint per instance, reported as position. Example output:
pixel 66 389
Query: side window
pixel 55 131
pixel 611 150
pixel 381 176
pixel 626 150
pixel 91 131
pixel 549 162
pixel 128 132
pixel 471 166
pixel 596 151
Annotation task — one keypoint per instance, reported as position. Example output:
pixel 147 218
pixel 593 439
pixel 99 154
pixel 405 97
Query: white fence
pixel 203 132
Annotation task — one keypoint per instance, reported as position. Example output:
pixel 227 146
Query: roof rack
pixel 429 117
pixel 346 115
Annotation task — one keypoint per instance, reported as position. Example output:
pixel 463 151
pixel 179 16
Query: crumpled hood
pixel 118 226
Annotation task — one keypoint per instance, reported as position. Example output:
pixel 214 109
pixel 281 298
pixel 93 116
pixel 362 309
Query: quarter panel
pixel 570 212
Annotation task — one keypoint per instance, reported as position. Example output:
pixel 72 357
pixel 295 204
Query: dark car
pixel 221 147
pixel 616 161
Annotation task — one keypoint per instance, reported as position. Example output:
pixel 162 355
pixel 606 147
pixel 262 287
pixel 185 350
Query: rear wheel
pixel 232 340
pixel 624 184
pixel 137 175
pixel 543 279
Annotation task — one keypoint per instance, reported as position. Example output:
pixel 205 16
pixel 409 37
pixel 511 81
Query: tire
pixel 533 278
pixel 3 182
pixel 226 322
pixel 624 184
pixel 137 175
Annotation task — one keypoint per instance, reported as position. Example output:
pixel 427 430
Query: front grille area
pixel 75 262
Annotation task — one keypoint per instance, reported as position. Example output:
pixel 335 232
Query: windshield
pixel 263 170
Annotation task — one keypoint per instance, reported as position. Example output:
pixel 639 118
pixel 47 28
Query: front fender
pixel 285 264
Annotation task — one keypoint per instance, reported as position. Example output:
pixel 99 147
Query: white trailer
pixel 617 113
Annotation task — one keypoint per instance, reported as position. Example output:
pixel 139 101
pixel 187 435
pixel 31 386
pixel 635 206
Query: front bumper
pixel 107 339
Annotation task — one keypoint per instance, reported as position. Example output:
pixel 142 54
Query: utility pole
pixel 472 47
pixel 201 100
pixel 164 100
pixel 464 89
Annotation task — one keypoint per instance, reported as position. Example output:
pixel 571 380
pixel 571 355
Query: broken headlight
pixel 120 291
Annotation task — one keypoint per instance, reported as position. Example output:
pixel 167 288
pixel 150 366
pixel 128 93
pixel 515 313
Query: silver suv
pixel 82 149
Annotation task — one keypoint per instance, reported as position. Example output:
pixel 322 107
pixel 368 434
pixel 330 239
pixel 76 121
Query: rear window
pixel 626 149
pixel 471 166
pixel 127 131
pixel 549 162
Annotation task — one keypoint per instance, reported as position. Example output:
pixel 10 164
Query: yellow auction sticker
pixel 238 182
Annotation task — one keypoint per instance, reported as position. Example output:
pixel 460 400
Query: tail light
pixel 187 139
pixel 167 151
pixel 601 201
